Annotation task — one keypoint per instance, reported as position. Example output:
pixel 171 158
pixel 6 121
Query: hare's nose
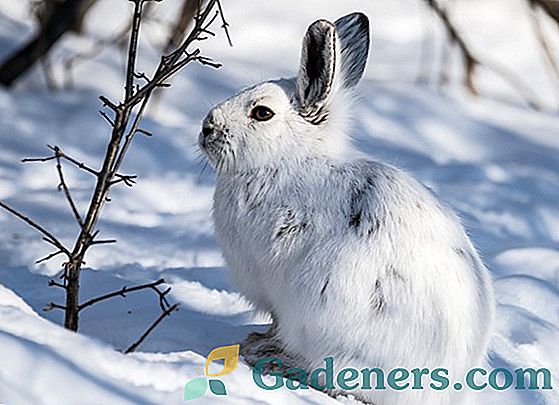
pixel 207 130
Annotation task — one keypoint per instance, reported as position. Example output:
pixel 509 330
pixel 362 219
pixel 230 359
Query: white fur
pixel 398 285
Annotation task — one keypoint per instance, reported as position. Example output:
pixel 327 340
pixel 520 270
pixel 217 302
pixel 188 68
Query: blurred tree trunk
pixel 183 22
pixel 470 61
pixel 551 7
pixel 56 18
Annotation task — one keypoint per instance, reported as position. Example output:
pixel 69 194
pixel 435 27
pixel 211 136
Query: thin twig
pixel 225 24
pixel 131 134
pixel 472 62
pixel 122 293
pixel 208 62
pixel 128 179
pixel 49 237
pixel 103 242
pixel 50 256
pixel 108 103
pixel 53 283
pixel 66 191
pixel 42 160
pixel 144 132
pixel 133 49
pixel 70 159
pixel 164 314
pixel 107 118
pixel 52 305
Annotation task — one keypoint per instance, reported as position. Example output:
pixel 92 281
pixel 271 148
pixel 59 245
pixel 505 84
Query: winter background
pixel 491 158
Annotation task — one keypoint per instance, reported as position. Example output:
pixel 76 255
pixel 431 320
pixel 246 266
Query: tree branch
pixel 164 314
pixel 471 62
pixel 551 7
pixel 52 305
pixel 133 50
pixel 66 190
pixel 65 16
pixel 49 237
pixel 48 257
pixel 122 134
pixel 125 290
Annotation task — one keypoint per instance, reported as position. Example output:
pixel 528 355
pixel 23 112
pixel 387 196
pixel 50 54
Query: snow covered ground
pixel 494 161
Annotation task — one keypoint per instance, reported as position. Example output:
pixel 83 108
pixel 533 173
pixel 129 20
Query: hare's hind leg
pixel 258 346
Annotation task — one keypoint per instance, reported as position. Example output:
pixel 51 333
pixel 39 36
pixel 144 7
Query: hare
pixel 353 258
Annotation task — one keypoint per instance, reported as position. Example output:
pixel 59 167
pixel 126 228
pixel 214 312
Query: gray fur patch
pixel 378 301
pixel 290 226
pixel 376 223
pixel 460 252
pixel 467 256
pixel 394 274
pixel 361 219
pixel 256 186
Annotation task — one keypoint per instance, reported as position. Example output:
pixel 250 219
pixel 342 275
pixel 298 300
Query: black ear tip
pixel 363 19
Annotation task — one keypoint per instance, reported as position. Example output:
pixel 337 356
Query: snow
pixel 492 159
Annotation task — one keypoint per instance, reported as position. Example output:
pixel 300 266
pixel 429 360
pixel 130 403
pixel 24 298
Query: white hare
pixel 353 258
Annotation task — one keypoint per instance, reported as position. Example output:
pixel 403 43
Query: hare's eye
pixel 261 113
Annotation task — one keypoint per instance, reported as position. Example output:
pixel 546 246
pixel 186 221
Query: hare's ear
pixel 316 73
pixel 353 31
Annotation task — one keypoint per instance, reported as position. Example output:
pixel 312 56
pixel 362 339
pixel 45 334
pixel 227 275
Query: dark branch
pixel 133 48
pixel 108 103
pixel 128 179
pixel 48 237
pixel 42 160
pixel 53 283
pixel 65 16
pixel 50 256
pixel 107 118
pixel 66 190
pixel 123 291
pixel 144 132
pixel 103 242
pixel 164 314
pixel 225 24
pixel 52 305
pixel 470 61
pixel 551 7
pixel 70 159
pixel 208 62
